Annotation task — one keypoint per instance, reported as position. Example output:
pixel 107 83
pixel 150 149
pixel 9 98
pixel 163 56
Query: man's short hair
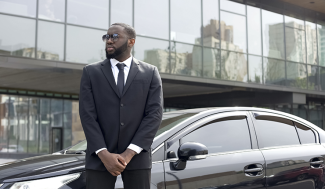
pixel 129 29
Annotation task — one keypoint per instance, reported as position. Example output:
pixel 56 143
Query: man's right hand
pixel 114 163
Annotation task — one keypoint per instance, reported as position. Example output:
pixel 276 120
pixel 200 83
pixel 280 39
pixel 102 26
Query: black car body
pixel 209 148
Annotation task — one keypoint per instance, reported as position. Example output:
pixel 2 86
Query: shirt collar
pixel 127 62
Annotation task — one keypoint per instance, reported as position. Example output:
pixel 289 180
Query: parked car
pixel 209 148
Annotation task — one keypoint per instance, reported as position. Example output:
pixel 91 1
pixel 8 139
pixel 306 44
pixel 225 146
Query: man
pixel 120 107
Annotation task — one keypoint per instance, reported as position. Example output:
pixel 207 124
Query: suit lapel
pixel 107 70
pixel 132 73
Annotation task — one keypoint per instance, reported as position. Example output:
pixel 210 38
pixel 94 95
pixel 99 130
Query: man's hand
pixel 128 155
pixel 114 163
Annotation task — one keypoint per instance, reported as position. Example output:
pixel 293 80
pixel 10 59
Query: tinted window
pixel 227 134
pixel 275 131
pixel 306 135
pixel 171 120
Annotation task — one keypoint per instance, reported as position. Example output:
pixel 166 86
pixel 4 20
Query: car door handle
pixel 254 170
pixel 316 162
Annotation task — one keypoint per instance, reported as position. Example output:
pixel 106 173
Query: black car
pixel 209 148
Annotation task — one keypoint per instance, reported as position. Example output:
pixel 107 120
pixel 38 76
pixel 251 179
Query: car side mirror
pixel 189 151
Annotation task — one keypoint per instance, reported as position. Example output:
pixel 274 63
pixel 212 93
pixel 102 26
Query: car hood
pixel 41 167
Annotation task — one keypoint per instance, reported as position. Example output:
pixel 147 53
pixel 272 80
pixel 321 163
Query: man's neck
pixel 122 59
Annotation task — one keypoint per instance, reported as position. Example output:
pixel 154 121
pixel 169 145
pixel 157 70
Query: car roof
pixel 204 112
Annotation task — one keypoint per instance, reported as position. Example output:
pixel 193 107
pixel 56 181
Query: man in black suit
pixel 120 106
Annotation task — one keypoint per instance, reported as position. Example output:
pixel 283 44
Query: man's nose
pixel 109 41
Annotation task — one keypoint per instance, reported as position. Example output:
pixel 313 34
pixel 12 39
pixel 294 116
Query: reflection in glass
pixel 311 41
pixel 44 134
pixel 67 132
pixel 186 25
pixel 321 43
pixel 76 127
pixel 295 45
pixel 121 11
pixel 274 71
pixel 186 59
pixel 306 135
pixel 19 7
pixel 233 32
pixel 254 30
pixel 33 124
pixel 217 142
pixel 294 22
pixel 233 66
pixel 151 18
pixel 316 114
pixel 4 123
pixel 312 72
pixel 211 63
pixel 255 69
pixel 88 13
pixel 21 111
pixel 297 75
pixel 211 23
pixel 53 49
pixel 51 10
pixel 154 52
pixel 232 7
pixel 281 129
pixel 273 36
pixel 10 41
pixel 322 78
pixel 84 45
pixel 56 112
pixel 300 110
pixel 44 106
pixel 33 134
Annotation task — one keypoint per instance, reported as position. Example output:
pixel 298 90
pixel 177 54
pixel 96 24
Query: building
pixel 210 53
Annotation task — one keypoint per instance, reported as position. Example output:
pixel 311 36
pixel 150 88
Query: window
pixel 276 131
pixel 306 135
pixel 222 135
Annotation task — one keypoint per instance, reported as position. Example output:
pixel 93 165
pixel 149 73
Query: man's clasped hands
pixel 116 163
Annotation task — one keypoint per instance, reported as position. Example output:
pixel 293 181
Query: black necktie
pixel 120 77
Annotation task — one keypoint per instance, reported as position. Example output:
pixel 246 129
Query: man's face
pixel 117 48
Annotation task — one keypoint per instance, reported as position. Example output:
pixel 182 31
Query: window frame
pixel 294 121
pixel 196 125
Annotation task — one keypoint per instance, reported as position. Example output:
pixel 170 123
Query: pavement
pixel 6 160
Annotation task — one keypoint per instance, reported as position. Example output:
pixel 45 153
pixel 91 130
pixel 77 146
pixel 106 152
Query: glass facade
pixel 28 124
pixel 219 39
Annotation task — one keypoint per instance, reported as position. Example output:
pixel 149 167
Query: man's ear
pixel 131 42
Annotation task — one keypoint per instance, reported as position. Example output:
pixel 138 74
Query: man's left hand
pixel 128 155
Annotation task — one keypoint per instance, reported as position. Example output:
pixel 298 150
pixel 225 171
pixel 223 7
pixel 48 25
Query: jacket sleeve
pixel 153 114
pixel 88 115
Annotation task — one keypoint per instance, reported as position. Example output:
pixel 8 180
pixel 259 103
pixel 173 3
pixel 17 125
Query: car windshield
pixel 169 121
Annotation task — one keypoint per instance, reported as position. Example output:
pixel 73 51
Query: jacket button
pixel 122 105
pixel 122 124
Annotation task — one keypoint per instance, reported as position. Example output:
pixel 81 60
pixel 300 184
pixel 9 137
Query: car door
pixel 294 158
pixel 233 160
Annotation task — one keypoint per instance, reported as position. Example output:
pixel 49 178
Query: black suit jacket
pixel 114 120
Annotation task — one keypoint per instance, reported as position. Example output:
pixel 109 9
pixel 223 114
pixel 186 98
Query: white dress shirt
pixel 115 71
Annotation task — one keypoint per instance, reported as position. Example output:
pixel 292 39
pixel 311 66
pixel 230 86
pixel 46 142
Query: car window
pixel 306 135
pixel 276 131
pixel 222 135
pixel 170 120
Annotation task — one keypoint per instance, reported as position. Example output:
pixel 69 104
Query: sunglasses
pixel 114 37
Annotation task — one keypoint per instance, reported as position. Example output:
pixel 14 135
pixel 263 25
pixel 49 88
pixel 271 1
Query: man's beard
pixel 118 51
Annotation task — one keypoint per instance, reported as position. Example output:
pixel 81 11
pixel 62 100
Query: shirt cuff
pixel 135 148
pixel 100 150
